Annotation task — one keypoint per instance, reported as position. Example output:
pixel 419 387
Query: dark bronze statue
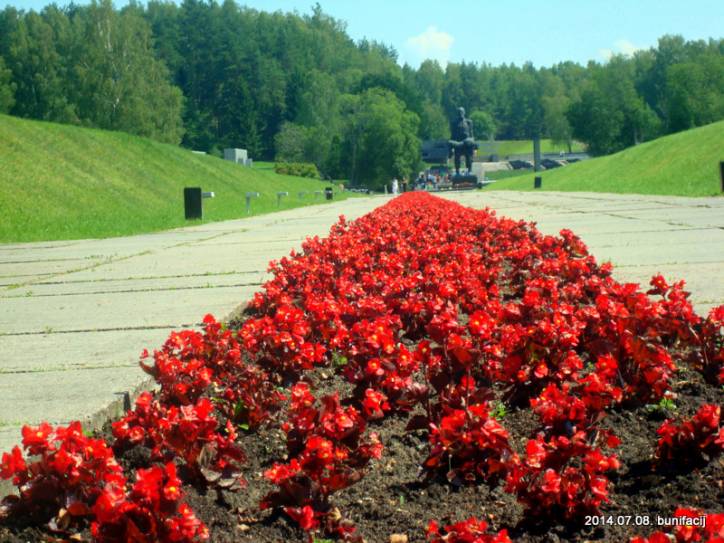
pixel 463 141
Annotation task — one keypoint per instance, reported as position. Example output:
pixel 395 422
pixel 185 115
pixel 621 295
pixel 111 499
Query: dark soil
pixel 393 499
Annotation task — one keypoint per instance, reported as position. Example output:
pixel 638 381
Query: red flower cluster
pixel 328 453
pixel 188 360
pixel 73 478
pixel 708 528
pixel 63 475
pixel 469 445
pixel 280 343
pixel 562 476
pixel 151 511
pixel 192 364
pixel 692 439
pixel 468 531
pixel 189 433
pixel 710 358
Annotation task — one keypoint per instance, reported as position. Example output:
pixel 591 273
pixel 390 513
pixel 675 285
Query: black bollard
pixel 537 182
pixel 192 203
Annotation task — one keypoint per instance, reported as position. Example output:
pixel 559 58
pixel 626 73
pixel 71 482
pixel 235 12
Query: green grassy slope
pixel 64 182
pixel 684 164
pixel 524 147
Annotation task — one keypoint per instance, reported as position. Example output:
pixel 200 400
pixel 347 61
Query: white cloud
pixel 431 44
pixel 620 47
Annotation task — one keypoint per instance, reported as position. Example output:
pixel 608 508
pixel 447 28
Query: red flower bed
pixel 424 311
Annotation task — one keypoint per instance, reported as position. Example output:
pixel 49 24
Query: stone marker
pixel 249 196
pixel 240 156
pixel 482 168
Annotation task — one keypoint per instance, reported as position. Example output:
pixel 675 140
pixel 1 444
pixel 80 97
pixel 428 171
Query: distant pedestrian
pixel 395 186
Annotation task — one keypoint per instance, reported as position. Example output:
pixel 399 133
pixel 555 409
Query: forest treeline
pixel 294 87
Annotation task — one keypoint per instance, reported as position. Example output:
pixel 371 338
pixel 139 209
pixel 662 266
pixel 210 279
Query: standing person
pixel 395 186
pixel 421 181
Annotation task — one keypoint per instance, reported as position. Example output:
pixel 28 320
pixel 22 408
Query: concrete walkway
pixel 682 238
pixel 75 315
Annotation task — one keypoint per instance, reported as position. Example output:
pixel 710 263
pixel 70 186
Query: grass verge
pixel 62 182
pixel 682 164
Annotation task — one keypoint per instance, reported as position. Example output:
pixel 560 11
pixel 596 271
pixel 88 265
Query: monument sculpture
pixel 462 142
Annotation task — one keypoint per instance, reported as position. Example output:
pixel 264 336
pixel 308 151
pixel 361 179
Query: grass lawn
pixel 525 147
pixel 683 164
pixel 505 174
pixel 65 182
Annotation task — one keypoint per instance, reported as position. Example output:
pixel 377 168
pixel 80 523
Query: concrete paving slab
pixel 117 310
pixel 42 267
pixel 662 236
pixel 79 350
pixel 9 247
pixel 252 242
pixel 98 248
pixel 659 254
pixel 702 280
pixel 14 281
pixel 58 287
pixel 702 217
pixel 63 396
pixel 253 263
pixel 580 224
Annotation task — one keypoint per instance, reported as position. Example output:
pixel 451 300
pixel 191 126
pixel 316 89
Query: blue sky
pixel 495 31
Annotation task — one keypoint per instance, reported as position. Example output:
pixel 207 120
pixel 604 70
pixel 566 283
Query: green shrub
pixel 300 169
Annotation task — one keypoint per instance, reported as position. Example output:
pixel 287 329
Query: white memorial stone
pixel 240 156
